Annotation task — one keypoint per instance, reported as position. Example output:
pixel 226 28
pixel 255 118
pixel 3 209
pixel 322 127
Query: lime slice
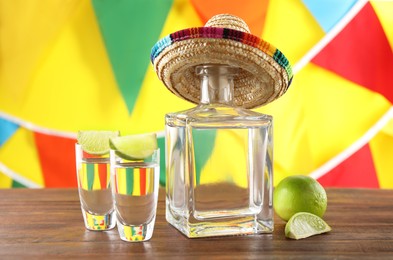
pixel 134 147
pixel 96 141
pixel 303 224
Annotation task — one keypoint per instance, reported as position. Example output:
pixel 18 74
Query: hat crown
pixel 228 21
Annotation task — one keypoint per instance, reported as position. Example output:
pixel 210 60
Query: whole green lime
pixel 299 193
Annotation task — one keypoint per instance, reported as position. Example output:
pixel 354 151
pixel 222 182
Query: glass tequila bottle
pixel 219 163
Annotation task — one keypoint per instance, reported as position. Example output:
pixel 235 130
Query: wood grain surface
pixel 48 224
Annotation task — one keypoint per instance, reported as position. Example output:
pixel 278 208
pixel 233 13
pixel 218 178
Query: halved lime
pixel 134 147
pixel 95 141
pixel 304 224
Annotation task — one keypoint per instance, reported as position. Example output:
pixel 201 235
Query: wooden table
pixel 47 224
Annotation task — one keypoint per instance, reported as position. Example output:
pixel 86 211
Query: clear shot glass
pixel 135 192
pixel 94 186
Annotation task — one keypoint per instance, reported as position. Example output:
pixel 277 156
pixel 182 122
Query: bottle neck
pixel 217 85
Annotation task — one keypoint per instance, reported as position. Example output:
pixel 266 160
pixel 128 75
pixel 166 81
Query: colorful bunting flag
pixel 72 65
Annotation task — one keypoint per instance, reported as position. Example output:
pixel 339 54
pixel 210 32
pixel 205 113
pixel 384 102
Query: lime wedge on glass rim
pixel 134 147
pixel 304 224
pixel 95 141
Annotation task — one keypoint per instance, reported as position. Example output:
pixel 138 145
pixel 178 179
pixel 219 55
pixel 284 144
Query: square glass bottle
pixel 219 155
pixel 219 163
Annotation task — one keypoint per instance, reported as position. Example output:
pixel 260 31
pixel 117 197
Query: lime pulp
pixel 134 147
pixel 304 224
pixel 95 141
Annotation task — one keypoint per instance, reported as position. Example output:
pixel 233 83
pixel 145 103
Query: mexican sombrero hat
pixel 264 72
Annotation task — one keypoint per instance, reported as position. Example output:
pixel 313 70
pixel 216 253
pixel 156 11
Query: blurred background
pixel 69 65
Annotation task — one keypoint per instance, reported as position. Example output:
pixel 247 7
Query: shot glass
pixel 93 174
pixel 135 193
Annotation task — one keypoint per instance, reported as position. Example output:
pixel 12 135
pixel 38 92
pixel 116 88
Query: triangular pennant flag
pixel 28 29
pixel 7 129
pixel 356 171
pixel 20 160
pixel 329 12
pixel 130 30
pixel 384 10
pixel 253 12
pixel 382 149
pixel 57 158
pixel 361 53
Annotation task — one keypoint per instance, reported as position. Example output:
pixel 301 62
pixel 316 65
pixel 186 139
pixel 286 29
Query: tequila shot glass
pixel 135 192
pixel 93 174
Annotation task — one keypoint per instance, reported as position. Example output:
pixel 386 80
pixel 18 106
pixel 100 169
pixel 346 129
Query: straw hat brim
pixel 264 73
